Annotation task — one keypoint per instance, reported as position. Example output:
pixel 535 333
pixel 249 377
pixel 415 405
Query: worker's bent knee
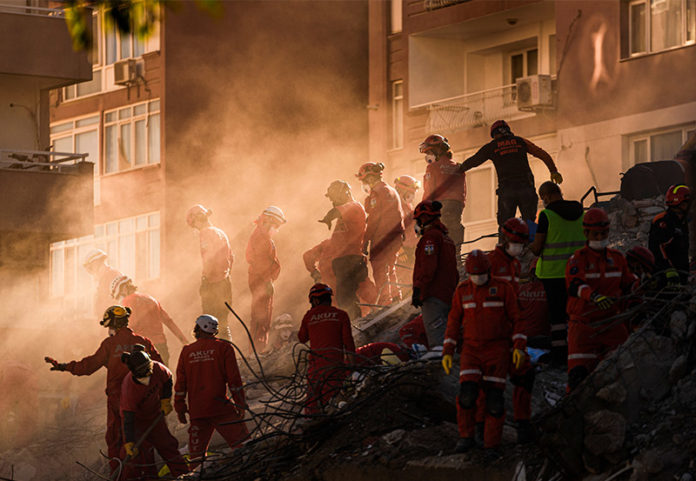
pixel 495 403
pixel 525 381
pixel 468 392
pixel 576 375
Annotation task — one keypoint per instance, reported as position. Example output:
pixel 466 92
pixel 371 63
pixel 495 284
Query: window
pixel 132 137
pixel 80 136
pixel 660 145
pixel 397 10
pixel 398 114
pixel 523 64
pixel 133 247
pixel 656 25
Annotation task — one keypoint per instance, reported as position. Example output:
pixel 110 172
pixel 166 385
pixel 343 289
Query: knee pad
pixel 468 392
pixel 576 375
pixel 495 403
pixel 525 381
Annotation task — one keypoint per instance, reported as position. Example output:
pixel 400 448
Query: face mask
pixel 409 197
pixel 430 158
pixel 514 249
pixel 598 245
pixel 417 227
pixel 143 380
pixel 285 334
pixel 479 279
pixel 112 331
pixel 366 188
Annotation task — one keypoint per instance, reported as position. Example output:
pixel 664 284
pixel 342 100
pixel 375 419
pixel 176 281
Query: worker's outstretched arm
pixel 540 153
pixel 475 160
pixel 169 322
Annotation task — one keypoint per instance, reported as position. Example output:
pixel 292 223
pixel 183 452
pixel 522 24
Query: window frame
pixel 131 120
pixel 648 29
pixel 397 123
pixel 646 136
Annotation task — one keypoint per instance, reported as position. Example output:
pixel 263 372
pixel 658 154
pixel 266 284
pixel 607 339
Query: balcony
pixel 474 110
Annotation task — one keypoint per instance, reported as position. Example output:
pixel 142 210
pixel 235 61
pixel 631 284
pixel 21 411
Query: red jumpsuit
pixel 605 272
pixel 329 333
pixel 485 319
pixel 435 272
pixel 408 257
pixel 147 319
pixel 534 309
pixel 264 268
pixel 215 287
pixel 109 355
pixel 140 407
pixel 319 258
pixel 384 232
pixel 413 332
pixel 102 296
pixel 371 354
pixel 206 369
pixel 444 182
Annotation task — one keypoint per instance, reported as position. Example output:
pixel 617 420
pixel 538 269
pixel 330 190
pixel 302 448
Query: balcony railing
pixel 29 10
pixel 39 160
pixel 474 110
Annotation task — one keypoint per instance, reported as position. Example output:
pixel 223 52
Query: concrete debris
pixel 605 431
pixel 613 393
pixel 630 220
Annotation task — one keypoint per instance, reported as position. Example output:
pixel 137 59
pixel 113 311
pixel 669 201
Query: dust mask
pixel 144 380
pixel 430 158
pixel 514 249
pixel 112 331
pixel 598 245
pixel 366 188
pixel 479 279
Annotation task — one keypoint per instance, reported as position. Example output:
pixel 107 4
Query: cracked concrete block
pixel 678 325
pixel 613 393
pixel 605 431
pixel 679 369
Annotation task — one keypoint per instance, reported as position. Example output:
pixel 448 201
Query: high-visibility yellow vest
pixel 563 238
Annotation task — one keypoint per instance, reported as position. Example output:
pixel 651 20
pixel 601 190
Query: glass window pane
pixel 153 134
pixel 532 61
pixel 690 20
pixel 154 260
pixel 87 121
pixel 479 195
pixel 125 45
pixel 552 54
pixel 666 24
pixel 91 87
pixel 126 254
pixel 516 67
pixel 637 28
pixel 69 92
pixel 665 146
pixel 61 127
pixel 69 278
pixel 398 89
pixel 141 251
pixel 111 149
pixel 99 230
pixel 397 8
pixel 138 46
pixel 126 226
pixel 124 147
pixel 140 109
pixel 140 143
pixel 124 113
pixel 110 117
pixel 640 151
pixel 398 123
pixel 88 143
pixel 57 272
pixel 64 144
pixel 154 220
pixel 110 45
pixel 96 41
pixel 141 223
pixel 111 229
pixel 154 105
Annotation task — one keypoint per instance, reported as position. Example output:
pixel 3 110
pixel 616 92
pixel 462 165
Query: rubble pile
pixel 630 220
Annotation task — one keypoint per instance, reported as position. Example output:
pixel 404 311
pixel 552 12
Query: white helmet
pixel 284 321
pixel 207 323
pixel 117 283
pixel 195 212
pixel 275 213
pixel 93 255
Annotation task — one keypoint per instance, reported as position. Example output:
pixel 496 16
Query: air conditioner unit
pixel 534 92
pixel 125 72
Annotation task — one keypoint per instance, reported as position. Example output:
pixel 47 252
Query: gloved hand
pixel 182 417
pixel 316 275
pixel 447 363
pixel 415 298
pixel 166 405
pixel 601 301
pixel 556 177
pixel 269 288
pixel 672 277
pixel 55 365
pixel 131 450
pixel 329 217
pixel 518 357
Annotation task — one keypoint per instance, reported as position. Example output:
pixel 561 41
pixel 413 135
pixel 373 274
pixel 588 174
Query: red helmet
pixel 676 194
pixel 427 207
pixel 196 211
pixel 407 182
pixel 642 256
pixel 319 290
pixel 499 124
pixel 596 220
pixel 370 168
pixel 434 143
pixel 477 262
pixel 516 230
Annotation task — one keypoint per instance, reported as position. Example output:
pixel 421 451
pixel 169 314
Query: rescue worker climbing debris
pixel 95 264
pixel 121 338
pixel 328 331
pixel 207 369
pixel 435 273
pixel 217 259
pixel 384 234
pixel 146 398
pixel 596 277
pixel 445 182
pixel 669 235
pixel 406 186
pixel 484 317
pixel 515 179
pixel 264 268
pixel 147 315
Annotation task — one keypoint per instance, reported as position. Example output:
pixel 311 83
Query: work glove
pixel 518 357
pixel 601 301
pixel 316 275
pixel 329 217
pixel 447 363
pixel 269 288
pixel 672 277
pixel 55 365
pixel 415 298
pixel 131 450
pixel 182 417
pixel 166 406
pixel 556 177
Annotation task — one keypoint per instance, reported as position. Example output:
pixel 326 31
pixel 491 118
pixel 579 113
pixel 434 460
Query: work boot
pixel 464 445
pixel 525 432
pixel 478 434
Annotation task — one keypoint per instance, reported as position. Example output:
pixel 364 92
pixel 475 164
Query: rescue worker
pixel 515 179
pixel 146 398
pixel 317 261
pixel 484 318
pixel 121 339
pixel 504 258
pixel 147 315
pixel 413 332
pixel 669 235
pixel 596 277
pixel 282 329
pixel 406 186
pixel 534 310
pixel 380 353
pixel 384 234
pixel 217 259
pixel 435 273
pixel 95 264
pixel 206 370
pixel 641 262
pixel 264 268
pixel 558 235
pixel 445 182
pixel 328 331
